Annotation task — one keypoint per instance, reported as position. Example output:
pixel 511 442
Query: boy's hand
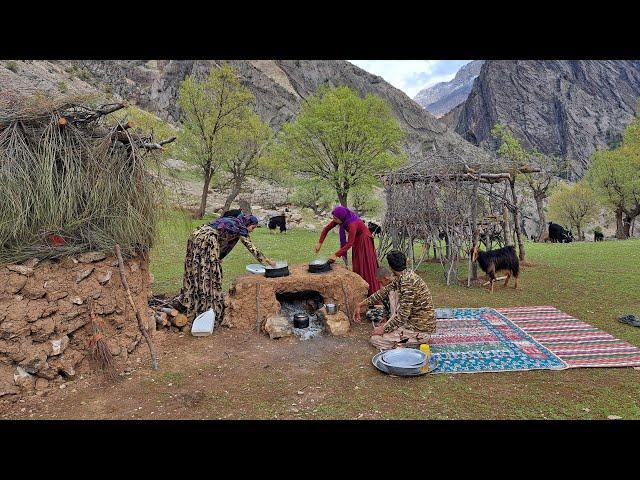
pixel 317 247
pixel 379 330
pixel 357 314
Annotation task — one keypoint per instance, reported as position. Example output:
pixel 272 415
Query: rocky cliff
pixel 278 85
pixel 443 97
pixel 566 108
pixel 281 85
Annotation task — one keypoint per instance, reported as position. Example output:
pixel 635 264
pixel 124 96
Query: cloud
pixel 411 76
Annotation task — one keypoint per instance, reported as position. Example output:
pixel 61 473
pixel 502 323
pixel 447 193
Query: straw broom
pixel 101 357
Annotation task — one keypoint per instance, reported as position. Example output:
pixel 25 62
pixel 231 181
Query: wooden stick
pixel 145 334
pixel 179 320
pixel 497 280
pixel 258 307
pixel 170 311
pixel 346 301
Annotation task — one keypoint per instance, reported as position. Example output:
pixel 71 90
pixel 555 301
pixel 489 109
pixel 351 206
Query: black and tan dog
pixel 493 261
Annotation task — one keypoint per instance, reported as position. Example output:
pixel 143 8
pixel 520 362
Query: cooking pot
pixel 319 266
pixel 332 308
pixel 300 320
pixel 280 270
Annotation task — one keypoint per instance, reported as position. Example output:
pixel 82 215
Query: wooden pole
pixel 475 233
pixel 258 308
pixel 143 330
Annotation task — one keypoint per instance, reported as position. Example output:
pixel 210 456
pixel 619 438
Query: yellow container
pixel 426 349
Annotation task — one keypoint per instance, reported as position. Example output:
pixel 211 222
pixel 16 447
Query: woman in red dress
pixel 363 257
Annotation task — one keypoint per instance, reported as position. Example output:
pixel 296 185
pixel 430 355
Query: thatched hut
pixel 74 184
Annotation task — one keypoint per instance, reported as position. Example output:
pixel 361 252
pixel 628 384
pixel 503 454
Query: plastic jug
pixel 203 324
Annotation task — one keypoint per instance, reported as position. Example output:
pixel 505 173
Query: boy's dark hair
pixel 397 260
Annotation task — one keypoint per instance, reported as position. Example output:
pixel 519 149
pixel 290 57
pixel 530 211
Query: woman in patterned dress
pixel 206 247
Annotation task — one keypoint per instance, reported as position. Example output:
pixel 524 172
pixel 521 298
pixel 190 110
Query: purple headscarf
pixel 233 228
pixel 346 216
pixel 235 225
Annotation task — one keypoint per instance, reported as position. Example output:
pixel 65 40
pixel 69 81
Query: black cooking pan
pixel 280 270
pixel 319 266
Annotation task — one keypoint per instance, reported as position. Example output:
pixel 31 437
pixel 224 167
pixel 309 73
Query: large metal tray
pixel 403 357
pixel 414 372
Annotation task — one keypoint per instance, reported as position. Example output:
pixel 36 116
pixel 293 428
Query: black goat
pixel 374 228
pixel 278 221
pixel 558 234
pixel 492 261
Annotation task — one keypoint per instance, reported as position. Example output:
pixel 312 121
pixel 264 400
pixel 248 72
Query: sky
pixel 411 76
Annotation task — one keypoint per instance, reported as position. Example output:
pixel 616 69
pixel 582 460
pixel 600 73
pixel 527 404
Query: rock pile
pixel 45 322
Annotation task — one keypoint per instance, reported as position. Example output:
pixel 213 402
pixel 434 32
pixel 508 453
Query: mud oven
pixel 267 305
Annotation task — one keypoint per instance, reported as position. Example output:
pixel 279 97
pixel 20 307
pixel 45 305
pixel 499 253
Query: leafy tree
pixel 539 183
pixel 343 140
pixel 310 193
pixel 574 204
pixel 364 202
pixel 207 110
pixel 615 177
pixel 242 154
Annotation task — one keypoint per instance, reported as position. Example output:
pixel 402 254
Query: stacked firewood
pixel 166 316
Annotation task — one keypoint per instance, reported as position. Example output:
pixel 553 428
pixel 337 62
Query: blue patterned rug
pixel 483 340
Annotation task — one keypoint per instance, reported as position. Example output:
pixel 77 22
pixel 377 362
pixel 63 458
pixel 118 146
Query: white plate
pixel 403 357
pixel 255 268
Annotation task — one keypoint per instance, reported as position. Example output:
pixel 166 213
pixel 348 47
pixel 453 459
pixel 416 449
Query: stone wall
pixel 44 317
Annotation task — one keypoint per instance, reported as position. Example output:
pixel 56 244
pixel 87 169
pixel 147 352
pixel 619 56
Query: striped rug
pixel 577 343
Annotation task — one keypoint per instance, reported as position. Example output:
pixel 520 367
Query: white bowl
pixel 256 269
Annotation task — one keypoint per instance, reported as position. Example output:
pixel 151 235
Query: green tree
pixel 540 184
pixel 615 177
pixel 343 140
pixel 208 109
pixel 574 204
pixel 364 202
pixel 310 193
pixel 243 155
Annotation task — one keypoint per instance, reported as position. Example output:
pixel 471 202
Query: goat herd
pixel 492 261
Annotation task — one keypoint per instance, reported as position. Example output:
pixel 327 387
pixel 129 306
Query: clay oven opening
pixel 267 305
pixel 306 301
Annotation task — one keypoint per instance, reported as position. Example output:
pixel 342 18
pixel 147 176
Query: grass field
pixel 595 282
pixel 232 374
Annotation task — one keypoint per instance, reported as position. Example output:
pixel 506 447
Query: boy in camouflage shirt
pixel 414 320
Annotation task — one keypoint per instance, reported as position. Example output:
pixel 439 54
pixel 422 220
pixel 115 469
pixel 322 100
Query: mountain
pixel 279 87
pixel 566 108
pixel 443 97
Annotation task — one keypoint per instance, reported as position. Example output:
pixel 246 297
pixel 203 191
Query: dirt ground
pixel 237 375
